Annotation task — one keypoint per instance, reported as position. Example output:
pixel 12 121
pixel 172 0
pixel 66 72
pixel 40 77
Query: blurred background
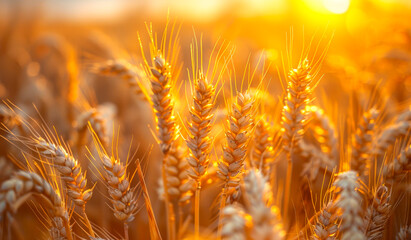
pixel 49 50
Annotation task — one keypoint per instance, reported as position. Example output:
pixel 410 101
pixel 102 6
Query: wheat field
pixel 230 127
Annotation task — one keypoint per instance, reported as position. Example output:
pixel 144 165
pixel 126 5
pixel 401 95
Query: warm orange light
pixel 337 6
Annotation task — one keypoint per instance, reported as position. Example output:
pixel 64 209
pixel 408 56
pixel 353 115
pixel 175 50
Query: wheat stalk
pixel 300 86
pixel 347 203
pixel 18 188
pixel 199 141
pixel 377 214
pixel 362 144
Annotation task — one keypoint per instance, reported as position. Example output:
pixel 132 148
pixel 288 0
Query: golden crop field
pixel 195 119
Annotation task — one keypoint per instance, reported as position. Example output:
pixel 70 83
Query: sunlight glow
pixel 337 6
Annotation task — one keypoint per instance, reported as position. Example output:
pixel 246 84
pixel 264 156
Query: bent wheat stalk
pixel 300 86
pixel 71 174
pixel 18 188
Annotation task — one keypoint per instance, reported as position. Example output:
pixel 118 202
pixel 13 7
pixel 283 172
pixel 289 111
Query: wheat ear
pixel 231 166
pixel 397 169
pixel 315 160
pixel 324 132
pixel 326 226
pixel 399 128
pixel 123 69
pixel 362 144
pixel 122 196
pixel 18 188
pixel 234 221
pixel 300 86
pixel 262 154
pixel 9 118
pixel 199 141
pixel 71 174
pixel 377 214
pixel 98 123
pixel 347 203
pixel 265 216
pixel 404 233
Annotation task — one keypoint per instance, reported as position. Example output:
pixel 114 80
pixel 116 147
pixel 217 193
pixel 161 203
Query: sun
pixel 337 6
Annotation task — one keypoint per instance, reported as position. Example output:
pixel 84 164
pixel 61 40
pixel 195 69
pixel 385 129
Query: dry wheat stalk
pixel 326 226
pixel 362 144
pixel 231 166
pixel 121 195
pixel 347 203
pixel 18 188
pixel 324 132
pixel 234 222
pixel 69 169
pixel 404 233
pixel 397 169
pixel 258 197
pixel 199 140
pixel 126 71
pixel 377 214
pixel 300 86
pixel 262 154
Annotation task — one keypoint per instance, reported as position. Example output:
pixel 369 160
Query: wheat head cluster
pixel 150 147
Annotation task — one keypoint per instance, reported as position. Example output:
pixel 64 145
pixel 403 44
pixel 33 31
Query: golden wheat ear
pixel 326 225
pixel 265 216
pixel 361 150
pixel 262 154
pixel 122 69
pixel 404 233
pixel 377 213
pixel 20 187
pixel 397 169
pixel 348 198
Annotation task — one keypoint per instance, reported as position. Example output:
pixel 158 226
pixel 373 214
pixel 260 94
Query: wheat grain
pixel 362 144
